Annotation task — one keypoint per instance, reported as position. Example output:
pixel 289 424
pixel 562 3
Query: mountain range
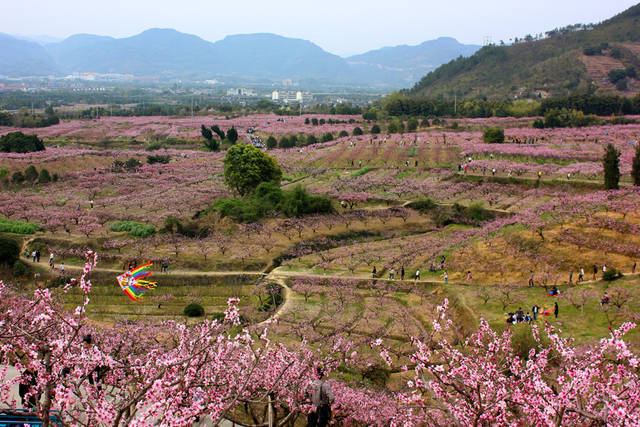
pixel 167 53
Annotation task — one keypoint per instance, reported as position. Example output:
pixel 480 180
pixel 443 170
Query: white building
pixel 241 91
pixel 290 97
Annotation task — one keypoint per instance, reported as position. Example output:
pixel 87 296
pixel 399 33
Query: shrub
pixel 360 172
pixel 412 124
pixel 327 137
pixel 17 227
pixel 133 228
pixel 314 121
pixel 493 135
pixel 9 250
pixel 159 158
pixel 30 174
pixel 155 146
pixel 44 177
pixel 194 310
pixel 311 139
pixel 538 124
pixel 616 75
pixel 132 164
pixel 592 50
pixel 357 131
pixel 284 143
pixel 611 274
pixel 17 177
pixel 425 123
pixel 267 198
pixel 423 205
pixel 622 85
pixel 272 142
pixel 343 133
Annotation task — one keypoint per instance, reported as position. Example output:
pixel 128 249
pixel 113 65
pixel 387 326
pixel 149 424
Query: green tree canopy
pixel 18 142
pixel 246 166
pixel 611 163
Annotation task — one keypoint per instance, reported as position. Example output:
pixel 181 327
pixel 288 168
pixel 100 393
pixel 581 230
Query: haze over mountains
pixel 262 57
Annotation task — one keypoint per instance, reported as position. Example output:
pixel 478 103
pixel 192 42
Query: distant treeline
pixel 400 105
pixel 25 119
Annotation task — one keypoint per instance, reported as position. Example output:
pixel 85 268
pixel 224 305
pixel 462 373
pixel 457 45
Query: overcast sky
pixel 343 27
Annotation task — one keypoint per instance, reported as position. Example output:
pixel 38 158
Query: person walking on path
pixel 531 279
pixel 535 310
pixel 33 255
pixel 417 277
pixel 402 273
pixel 37 256
pixel 555 309
pixel 581 275
pixel 392 273
pixel 374 272
pixel 469 276
pixel 595 271
pixel 446 277
pixel 62 268
pixel 633 268
pixel 571 277
pixel 322 399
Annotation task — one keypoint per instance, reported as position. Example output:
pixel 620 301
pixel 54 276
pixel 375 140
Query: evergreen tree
pixel 635 167
pixel 232 135
pixel 206 133
pixel 611 163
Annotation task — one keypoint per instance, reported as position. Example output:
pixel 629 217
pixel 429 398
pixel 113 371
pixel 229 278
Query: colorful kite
pixel 132 284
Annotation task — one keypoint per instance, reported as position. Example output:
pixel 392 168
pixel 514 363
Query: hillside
pixel 24 58
pixel 555 65
pixel 406 64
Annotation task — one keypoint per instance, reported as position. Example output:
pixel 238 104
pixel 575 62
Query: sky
pixel 342 27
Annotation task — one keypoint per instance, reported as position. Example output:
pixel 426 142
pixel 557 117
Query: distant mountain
pixel 555 65
pixel 273 56
pixel 166 53
pixel 39 38
pixel 24 58
pixel 407 64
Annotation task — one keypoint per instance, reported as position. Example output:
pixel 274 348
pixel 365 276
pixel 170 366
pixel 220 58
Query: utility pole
pixel 455 104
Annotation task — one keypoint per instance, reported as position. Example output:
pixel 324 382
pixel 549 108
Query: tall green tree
pixel 232 135
pixel 635 167
pixel 246 166
pixel 218 131
pixel 611 163
pixel 206 133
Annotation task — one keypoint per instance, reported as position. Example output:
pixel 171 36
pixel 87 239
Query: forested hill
pixel 573 59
